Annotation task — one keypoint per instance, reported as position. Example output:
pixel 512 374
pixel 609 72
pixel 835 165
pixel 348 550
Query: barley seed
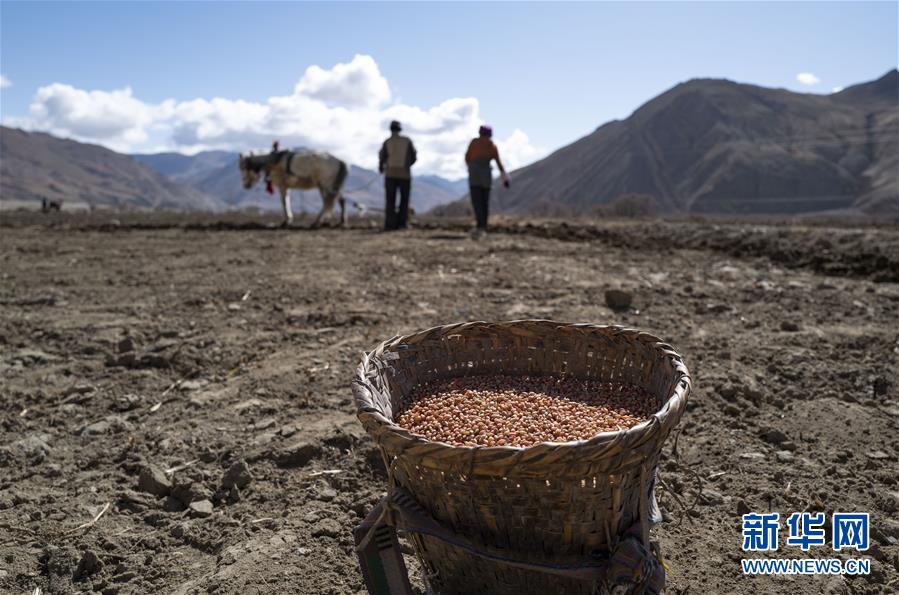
pixel 504 410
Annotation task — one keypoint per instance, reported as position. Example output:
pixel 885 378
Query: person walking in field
pixel 395 162
pixel 481 151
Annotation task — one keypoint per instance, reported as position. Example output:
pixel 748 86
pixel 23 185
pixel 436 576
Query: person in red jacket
pixel 481 151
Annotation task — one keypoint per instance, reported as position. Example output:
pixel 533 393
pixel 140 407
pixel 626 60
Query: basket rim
pixel 663 420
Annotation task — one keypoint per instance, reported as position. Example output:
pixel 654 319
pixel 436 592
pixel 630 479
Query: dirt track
pixel 131 343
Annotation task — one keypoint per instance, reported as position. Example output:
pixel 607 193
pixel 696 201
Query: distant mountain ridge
pixel 179 166
pixel 704 146
pixel 454 187
pixel 716 146
pixel 216 174
pixel 36 165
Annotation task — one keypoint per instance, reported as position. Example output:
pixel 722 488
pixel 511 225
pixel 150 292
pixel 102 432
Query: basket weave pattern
pixel 552 501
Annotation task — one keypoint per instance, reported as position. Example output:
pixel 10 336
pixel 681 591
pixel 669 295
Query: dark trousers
pixel 480 199
pixel 393 218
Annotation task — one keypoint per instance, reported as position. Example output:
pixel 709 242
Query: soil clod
pixel 618 299
pixel 153 480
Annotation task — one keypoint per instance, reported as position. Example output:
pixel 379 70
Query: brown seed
pixel 521 410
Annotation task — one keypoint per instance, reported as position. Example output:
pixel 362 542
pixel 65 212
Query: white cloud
pixel 837 89
pixel 344 110
pixel 807 78
pixel 115 118
pixel 357 84
pixel 517 150
pixel 4 82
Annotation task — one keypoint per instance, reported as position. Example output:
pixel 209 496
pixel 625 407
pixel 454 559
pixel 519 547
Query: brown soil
pixel 223 349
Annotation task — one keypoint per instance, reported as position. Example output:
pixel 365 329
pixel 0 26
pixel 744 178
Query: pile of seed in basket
pixel 522 410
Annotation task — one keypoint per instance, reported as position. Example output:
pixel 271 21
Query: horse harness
pixel 275 157
pixel 258 162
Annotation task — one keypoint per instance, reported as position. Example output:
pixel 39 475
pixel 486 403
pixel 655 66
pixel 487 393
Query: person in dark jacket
pixel 395 162
pixel 481 151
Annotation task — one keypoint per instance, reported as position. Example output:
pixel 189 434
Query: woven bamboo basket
pixel 556 502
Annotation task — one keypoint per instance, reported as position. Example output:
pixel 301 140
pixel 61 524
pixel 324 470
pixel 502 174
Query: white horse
pixel 299 169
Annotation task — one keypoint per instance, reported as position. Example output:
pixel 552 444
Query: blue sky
pixel 551 72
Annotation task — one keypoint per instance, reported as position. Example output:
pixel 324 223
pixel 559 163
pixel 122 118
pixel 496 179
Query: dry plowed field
pixel 189 379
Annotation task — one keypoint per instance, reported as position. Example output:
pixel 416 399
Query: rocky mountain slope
pixel 716 146
pixel 35 165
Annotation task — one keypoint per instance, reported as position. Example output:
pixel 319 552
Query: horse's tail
pixel 342 172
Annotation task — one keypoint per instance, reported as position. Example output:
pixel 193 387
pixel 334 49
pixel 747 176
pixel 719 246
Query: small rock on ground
pixel 326 494
pixel 191 492
pixel 712 498
pixel 126 345
pixel 192 385
pixel 31 447
pixel 618 299
pixel 773 435
pixel 326 528
pixel 201 508
pixel 154 481
pixel 172 504
pixel 87 565
pixel 296 455
pixel 237 475
pixel 96 428
pixel 784 456
pixel 789 326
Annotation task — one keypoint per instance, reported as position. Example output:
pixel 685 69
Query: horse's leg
pixel 327 205
pixel 342 209
pixel 285 202
pixel 321 214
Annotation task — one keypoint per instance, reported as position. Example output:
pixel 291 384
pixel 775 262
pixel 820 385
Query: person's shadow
pixel 447 236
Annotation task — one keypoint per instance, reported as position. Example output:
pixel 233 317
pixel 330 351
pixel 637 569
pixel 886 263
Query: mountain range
pixel 215 173
pixel 716 146
pixel 36 165
pixel 704 146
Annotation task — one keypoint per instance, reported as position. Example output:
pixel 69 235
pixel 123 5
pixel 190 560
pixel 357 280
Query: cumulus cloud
pixel 4 82
pixel 357 84
pixel 344 110
pixel 517 150
pixel 116 117
pixel 807 78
